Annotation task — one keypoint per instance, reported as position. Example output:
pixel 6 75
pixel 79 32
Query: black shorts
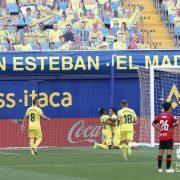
pixel 166 144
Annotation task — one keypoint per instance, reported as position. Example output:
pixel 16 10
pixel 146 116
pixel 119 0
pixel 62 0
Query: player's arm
pixel 44 117
pixel 155 124
pixel 23 121
pixel 175 122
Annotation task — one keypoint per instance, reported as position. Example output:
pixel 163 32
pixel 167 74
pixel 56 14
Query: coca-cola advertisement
pixel 57 132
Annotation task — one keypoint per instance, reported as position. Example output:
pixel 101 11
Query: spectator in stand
pixel 28 16
pixel 14 36
pixel 173 6
pixel 70 11
pixel 41 34
pixel 29 34
pixel 120 44
pixel 23 46
pixel 91 19
pixel 10 46
pixel 38 47
pixel 52 46
pixel 64 21
pixel 81 8
pixel 64 46
pixel 135 44
pixel 177 19
pixel 103 45
pixel 136 31
pixel 123 32
pixel 55 33
pixel 3 34
pixel 2 48
pixel 101 3
pixel 69 36
pixel 120 10
pixel 55 8
pixel 4 10
pixel 83 33
pixel 110 38
pixel 129 18
pixel 96 36
pixel 107 10
pixel 75 18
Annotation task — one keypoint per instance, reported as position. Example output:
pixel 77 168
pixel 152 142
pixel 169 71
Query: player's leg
pixel 31 140
pixel 129 136
pixel 169 150
pixel 160 156
pixel 124 145
pixel 102 146
pixel 116 139
pixel 38 138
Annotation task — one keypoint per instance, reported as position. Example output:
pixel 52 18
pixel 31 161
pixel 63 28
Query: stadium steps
pixel 153 23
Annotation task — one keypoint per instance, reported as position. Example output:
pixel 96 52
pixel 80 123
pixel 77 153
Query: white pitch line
pixel 69 165
pixel 46 153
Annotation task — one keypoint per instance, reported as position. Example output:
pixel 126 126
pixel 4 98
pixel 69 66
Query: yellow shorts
pixel 127 135
pixel 35 133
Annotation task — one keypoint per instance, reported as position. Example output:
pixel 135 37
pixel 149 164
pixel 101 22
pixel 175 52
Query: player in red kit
pixel 164 124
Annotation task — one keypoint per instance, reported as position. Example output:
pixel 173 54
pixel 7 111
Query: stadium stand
pixel 89 24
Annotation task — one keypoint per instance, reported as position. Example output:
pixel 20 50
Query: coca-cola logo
pixel 82 131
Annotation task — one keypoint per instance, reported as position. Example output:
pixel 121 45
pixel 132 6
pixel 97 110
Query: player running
pixel 127 118
pixel 164 124
pixel 34 115
pixel 106 131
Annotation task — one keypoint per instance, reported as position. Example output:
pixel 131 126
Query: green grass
pixel 81 163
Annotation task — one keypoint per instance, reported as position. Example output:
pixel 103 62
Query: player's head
pixel 36 101
pixel 101 111
pixel 167 106
pixel 124 103
pixel 112 111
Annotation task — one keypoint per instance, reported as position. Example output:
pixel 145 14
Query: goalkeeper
pixel 34 115
pixel 106 130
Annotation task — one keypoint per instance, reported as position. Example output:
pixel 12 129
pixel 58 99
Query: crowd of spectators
pixel 53 25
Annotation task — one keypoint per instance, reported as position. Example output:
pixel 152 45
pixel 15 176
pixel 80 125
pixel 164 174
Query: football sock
pixel 159 162
pixel 124 150
pixel 38 142
pixel 31 145
pixel 103 146
pixel 168 161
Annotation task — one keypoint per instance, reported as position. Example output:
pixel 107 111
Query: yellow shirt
pixel 127 117
pixel 3 35
pixel 2 48
pixel 119 46
pixel 62 24
pixel 104 118
pixel 22 47
pixel 54 35
pixel 95 36
pixel 34 114
pixel 42 36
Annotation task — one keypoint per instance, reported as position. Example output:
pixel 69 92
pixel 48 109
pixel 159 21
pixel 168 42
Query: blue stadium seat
pixel 5 44
pixel 57 44
pixel 105 31
pixel 171 18
pixel 33 45
pixel 56 18
pixel 44 45
pixel 106 20
pixel 20 22
pixel 20 31
pixel 177 31
pixel 63 5
pixel 115 5
pixel 114 31
pixel 13 8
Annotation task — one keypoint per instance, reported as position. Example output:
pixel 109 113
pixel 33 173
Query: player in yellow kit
pixel 127 118
pixel 115 128
pixel 106 131
pixel 34 115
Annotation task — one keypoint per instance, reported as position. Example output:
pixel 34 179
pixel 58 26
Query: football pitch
pixel 81 164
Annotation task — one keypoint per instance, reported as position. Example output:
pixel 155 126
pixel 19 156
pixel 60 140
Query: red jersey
pixel 165 120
